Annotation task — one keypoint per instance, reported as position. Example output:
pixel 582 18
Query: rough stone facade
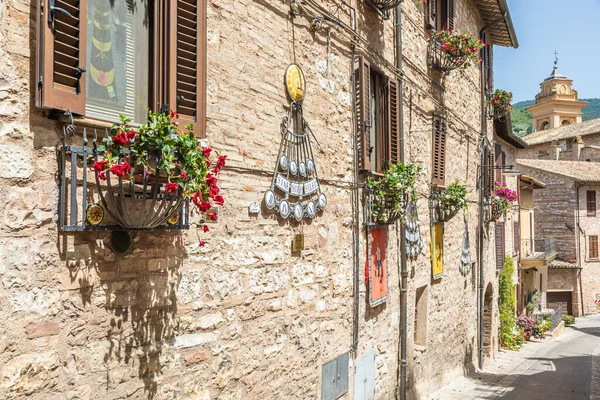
pixel 244 317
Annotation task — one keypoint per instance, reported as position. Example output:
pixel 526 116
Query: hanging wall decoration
pixel 414 242
pixel 437 250
pixel 465 257
pixel 295 191
pixel 376 268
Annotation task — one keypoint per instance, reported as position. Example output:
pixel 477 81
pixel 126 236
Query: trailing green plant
pixel 391 191
pixel 568 319
pixel 507 302
pixel 454 197
pixel 533 300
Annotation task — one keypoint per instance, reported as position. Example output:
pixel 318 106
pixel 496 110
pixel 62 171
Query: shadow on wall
pixel 137 291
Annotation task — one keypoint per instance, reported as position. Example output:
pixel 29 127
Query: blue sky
pixel 572 28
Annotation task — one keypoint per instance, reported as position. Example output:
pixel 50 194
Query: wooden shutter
pixel 394 121
pixel 186 83
pixel 61 53
pixel 500 247
pixel 490 173
pixel 591 203
pixel 516 237
pixel 450 13
pixel 497 163
pixel 430 14
pixel 438 154
pixel 503 161
pixel 363 99
pixel 593 253
pixel 490 67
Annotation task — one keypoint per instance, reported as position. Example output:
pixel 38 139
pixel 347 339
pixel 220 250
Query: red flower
pixel 221 162
pixel 211 181
pixel 100 165
pixel 120 139
pixel 204 206
pixel 120 169
pixel 208 162
pixel 205 228
pixel 174 114
pixel 214 190
pixel 172 187
pixel 202 243
pixel 102 175
pixel 212 216
pixel 206 151
pixel 219 199
pixel 183 174
pixel 130 134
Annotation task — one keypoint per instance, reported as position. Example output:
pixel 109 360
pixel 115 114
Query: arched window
pixel 565 123
pixel 545 125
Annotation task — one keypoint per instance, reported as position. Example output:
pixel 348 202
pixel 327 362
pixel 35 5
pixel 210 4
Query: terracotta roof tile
pixel 558 264
pixel 564 132
pixel 581 171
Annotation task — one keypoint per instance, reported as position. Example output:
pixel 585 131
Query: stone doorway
pixel 488 307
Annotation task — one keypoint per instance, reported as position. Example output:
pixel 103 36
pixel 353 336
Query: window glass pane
pixel 117 47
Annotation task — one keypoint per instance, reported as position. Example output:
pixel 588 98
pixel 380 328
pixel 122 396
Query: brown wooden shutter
pixel 438 154
pixel 363 98
pixel 450 13
pixel 394 121
pixel 490 67
pixel 187 63
pixel 516 237
pixel 593 253
pixel 500 248
pixel 490 172
pixel 591 203
pixel 61 52
pixel 430 14
pixel 503 161
pixel 497 163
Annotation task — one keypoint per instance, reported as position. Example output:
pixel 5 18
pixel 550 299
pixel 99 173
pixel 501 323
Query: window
pixel 421 311
pixel 440 14
pixel 545 125
pixel 379 119
pixel 500 245
pixel 591 203
pixel 438 153
pixel 565 123
pixel 593 247
pixel 119 57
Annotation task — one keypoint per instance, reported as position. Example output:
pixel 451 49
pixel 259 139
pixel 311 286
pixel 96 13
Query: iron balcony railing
pixel 554 315
pixel 543 249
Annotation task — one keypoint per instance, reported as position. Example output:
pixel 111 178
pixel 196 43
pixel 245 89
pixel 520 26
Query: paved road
pixel 565 368
pixel 565 371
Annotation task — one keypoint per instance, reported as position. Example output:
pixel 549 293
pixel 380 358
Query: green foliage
pixel 592 110
pixel 399 179
pixel 507 303
pixel 568 319
pixel 533 299
pixel 454 197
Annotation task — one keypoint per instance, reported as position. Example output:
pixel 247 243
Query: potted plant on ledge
pixel 145 175
pixel 449 50
pixel 499 103
pixel 503 199
pixel 446 203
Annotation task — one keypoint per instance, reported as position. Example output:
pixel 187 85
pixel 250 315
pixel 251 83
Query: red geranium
pixel 100 165
pixel 206 151
pixel 172 187
pixel 183 174
pixel 219 199
pixel 120 169
pixel 212 216
pixel 130 134
pixel 202 243
pixel 120 139
pixel 205 228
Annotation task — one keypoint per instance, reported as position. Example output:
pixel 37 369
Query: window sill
pixel 420 348
pixel 592 260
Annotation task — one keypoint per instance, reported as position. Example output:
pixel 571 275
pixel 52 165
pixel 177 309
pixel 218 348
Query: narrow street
pixel 567 367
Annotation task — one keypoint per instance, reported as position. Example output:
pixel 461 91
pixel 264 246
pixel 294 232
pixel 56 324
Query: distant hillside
pixel 521 118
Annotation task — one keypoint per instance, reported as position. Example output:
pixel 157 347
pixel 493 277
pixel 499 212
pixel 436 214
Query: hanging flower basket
pixel 385 4
pixel 495 209
pixel 499 104
pixel 145 175
pixel 445 204
pixel 387 196
pixel 450 50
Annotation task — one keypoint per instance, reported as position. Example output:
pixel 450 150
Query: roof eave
pixel 494 12
pixel 509 24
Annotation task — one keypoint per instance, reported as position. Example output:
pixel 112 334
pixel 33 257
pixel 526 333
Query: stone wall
pixel 590 226
pixel 243 317
pixel 565 150
pixel 566 280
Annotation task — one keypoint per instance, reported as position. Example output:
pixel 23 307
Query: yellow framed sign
pixel 437 250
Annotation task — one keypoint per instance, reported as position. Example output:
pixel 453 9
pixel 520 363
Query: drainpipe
pixel 403 266
pixel 479 181
pixel 578 244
